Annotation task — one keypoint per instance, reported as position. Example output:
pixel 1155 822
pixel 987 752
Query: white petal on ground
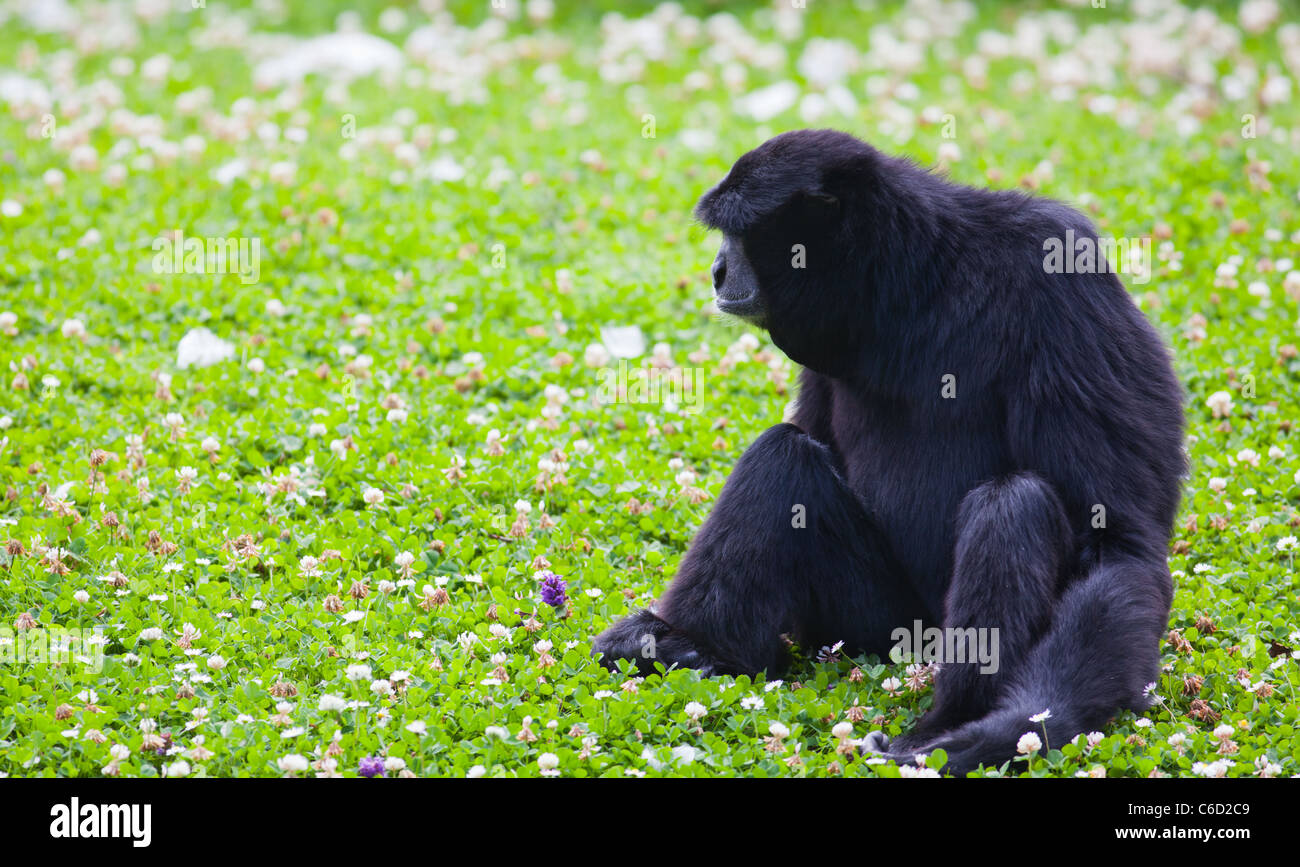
pixel 201 348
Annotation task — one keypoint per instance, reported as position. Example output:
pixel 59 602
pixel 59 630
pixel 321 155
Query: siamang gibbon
pixel 980 441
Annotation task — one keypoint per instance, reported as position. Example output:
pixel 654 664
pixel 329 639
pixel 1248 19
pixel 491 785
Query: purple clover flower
pixel 554 590
pixel 371 766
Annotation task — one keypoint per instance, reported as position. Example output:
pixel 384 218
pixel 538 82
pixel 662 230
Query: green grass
pixel 590 223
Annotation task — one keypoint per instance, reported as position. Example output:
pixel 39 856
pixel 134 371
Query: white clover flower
pixel 683 754
pixel 548 762
pixel 293 763
pixel 778 730
pixel 357 671
pixel 282 172
pixel 842 730
pixel 913 772
pixel 331 703
pixel 1266 768
pixel 1257 16
pixel 595 355
pixel 84 158
pixel 695 710
pixel 1213 769
pixel 1029 743
pixel 1220 403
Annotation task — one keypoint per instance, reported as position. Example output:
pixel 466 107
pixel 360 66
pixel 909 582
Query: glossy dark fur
pixel 975 510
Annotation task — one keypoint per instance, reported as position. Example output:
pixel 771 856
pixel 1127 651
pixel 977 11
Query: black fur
pixel 971 511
